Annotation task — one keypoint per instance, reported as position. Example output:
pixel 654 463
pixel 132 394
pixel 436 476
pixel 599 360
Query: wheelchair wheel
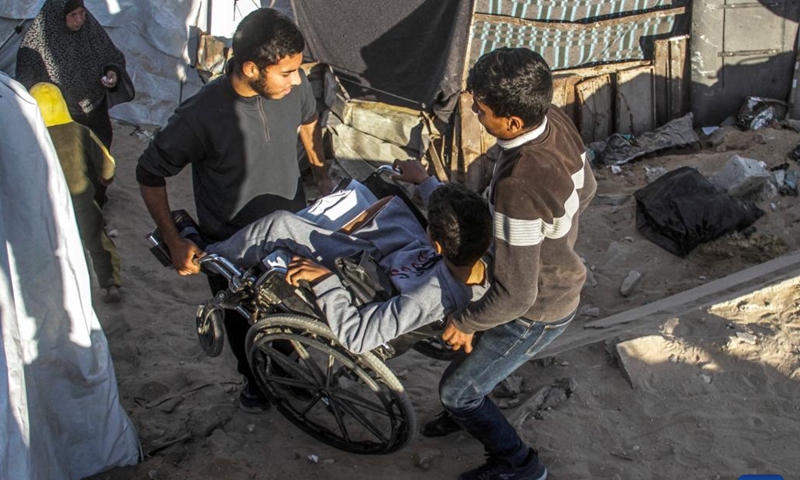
pixel 351 402
pixel 210 332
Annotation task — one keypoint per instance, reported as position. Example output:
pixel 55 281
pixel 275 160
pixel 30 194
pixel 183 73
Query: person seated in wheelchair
pixel 432 272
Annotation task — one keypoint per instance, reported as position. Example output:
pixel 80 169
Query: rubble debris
pixel 546 361
pixel 791 124
pixel 591 281
pixel 718 137
pixel 636 357
pixel 652 174
pixel 741 176
pixel 789 184
pixel 554 397
pixel 510 387
pixel 669 327
pixel 620 149
pixel 745 337
pixel 545 398
pixel 427 458
pixel 794 154
pixel 630 283
pixel 761 112
pixel 506 403
pixel 590 311
pixel 612 200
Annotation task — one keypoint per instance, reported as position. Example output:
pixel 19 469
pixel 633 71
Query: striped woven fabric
pixel 578 11
pixel 570 45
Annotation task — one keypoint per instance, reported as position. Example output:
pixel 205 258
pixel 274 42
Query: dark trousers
pixel 236 327
pixel 99 122
pixel 105 259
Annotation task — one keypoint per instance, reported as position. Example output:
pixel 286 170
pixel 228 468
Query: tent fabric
pixel 408 53
pixel 152 38
pixel 570 45
pixel 58 391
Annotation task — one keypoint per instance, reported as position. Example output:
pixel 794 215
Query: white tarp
pixel 153 35
pixel 58 389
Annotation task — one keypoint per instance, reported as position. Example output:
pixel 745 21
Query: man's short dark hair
pixel 513 82
pixel 265 37
pixel 459 220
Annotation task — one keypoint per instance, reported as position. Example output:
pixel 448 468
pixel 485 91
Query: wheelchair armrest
pixel 272 289
pixel 213 263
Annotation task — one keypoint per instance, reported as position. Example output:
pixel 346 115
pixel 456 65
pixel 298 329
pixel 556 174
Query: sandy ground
pixel 704 405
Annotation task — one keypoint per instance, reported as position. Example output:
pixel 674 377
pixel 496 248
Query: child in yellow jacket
pixel 84 161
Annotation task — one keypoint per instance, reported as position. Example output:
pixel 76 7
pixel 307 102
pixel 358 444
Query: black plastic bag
pixel 683 209
pixel 363 277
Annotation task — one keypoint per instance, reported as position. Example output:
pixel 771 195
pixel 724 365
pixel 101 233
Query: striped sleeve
pixel 522 232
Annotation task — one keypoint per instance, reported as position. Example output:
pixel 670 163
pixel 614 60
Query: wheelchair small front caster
pixel 210 331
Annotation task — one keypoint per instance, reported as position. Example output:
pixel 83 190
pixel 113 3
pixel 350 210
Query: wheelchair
pixel 353 402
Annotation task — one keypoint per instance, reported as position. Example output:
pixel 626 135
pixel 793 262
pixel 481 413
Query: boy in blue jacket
pixel 435 272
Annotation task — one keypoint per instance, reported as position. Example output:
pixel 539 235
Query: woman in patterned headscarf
pixel 67 46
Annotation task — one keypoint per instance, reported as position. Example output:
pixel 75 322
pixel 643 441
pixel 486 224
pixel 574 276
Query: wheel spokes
pixel 313 368
pixel 310 405
pixel 364 421
pixel 337 413
pixel 360 401
pixel 290 382
pixel 337 397
pixel 289 366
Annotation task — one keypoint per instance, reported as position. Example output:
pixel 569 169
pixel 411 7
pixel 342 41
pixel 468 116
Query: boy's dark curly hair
pixel 513 82
pixel 459 219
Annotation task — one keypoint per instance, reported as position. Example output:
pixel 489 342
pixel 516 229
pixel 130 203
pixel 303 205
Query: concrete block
pixel 636 359
pixel 741 176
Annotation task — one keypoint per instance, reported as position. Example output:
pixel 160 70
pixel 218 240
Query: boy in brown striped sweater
pixel 541 184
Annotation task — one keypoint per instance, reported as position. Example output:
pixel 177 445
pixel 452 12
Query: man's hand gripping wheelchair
pixel 352 402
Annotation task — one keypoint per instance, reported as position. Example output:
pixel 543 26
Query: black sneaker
pixel 441 426
pixel 251 400
pixel 496 469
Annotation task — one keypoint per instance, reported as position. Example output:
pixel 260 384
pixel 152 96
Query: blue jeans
pixel 467 382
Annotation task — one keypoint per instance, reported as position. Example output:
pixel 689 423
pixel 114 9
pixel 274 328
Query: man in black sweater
pixel 239 133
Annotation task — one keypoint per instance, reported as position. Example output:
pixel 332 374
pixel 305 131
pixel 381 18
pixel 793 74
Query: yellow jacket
pixel 80 152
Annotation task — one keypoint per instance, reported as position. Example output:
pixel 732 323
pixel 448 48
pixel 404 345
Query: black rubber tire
pixel 210 330
pixel 351 402
pixel 435 347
